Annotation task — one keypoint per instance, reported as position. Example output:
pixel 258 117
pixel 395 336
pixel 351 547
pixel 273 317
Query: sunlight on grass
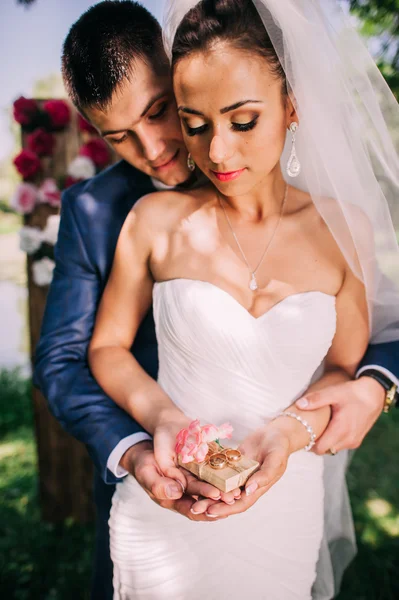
pixel 384 515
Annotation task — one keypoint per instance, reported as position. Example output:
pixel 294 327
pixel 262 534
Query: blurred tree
pixel 379 21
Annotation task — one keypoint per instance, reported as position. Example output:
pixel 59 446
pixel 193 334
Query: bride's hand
pixel 270 446
pixel 167 426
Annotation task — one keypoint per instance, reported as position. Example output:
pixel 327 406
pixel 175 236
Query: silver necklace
pixel 253 284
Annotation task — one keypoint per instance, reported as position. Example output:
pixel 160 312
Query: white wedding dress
pixel 218 363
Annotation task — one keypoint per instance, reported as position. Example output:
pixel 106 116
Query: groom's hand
pixel 355 407
pixel 139 461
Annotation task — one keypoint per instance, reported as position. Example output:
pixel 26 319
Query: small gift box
pixel 200 452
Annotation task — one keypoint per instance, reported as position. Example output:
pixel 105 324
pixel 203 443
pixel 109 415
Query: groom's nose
pixel 218 150
pixel 152 146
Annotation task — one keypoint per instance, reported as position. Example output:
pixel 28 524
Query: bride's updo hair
pixel 234 21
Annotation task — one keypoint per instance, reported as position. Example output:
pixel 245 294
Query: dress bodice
pixel 218 362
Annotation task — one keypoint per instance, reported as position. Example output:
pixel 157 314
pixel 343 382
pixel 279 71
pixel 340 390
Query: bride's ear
pixel 291 114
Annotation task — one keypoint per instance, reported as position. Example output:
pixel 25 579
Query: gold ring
pixel 218 461
pixel 232 455
pixel 333 451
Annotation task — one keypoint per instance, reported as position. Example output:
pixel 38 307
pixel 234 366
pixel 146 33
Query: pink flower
pixel 192 443
pixel 41 142
pixel 225 431
pixel 25 110
pixel 27 164
pixel 49 192
pixel 59 113
pixel 97 151
pixel 24 199
pixel 209 433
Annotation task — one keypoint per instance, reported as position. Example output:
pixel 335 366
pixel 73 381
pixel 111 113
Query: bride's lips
pixel 228 176
pixel 170 163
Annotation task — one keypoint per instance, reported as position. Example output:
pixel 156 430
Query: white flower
pixel 82 168
pixel 50 232
pixel 43 271
pixel 30 239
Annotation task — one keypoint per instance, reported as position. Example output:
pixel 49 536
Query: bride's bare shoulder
pixel 327 219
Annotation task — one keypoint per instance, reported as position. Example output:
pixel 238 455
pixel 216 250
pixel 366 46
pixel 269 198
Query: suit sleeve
pixel 61 368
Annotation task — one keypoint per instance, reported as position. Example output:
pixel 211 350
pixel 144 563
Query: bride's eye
pixel 244 126
pixel 191 131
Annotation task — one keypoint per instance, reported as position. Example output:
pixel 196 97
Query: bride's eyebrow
pixel 192 111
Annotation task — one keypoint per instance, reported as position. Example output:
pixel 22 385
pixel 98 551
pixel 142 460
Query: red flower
pixel 25 110
pixel 58 112
pixel 85 125
pixel 98 151
pixel 70 181
pixel 41 142
pixel 27 164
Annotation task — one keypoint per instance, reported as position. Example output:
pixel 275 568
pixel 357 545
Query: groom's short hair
pixel 101 48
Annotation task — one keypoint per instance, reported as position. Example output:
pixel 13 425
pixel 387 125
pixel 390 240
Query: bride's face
pixel 234 116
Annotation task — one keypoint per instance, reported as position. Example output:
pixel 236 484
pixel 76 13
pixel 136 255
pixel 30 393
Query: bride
pixel 260 289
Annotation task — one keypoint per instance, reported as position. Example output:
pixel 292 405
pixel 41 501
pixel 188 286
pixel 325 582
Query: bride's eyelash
pixel 191 131
pixel 245 126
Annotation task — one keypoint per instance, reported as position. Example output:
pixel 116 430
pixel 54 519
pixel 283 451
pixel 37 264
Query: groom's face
pixel 142 125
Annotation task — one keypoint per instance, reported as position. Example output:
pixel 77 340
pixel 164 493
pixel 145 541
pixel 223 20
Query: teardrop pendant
pixel 253 284
pixel 293 166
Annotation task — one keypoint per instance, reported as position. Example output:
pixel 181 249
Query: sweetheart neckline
pixel 275 306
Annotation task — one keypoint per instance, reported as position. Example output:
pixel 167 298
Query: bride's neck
pixel 261 202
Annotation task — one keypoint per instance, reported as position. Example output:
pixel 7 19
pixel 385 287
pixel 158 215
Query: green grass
pixel 52 562
pixel 37 560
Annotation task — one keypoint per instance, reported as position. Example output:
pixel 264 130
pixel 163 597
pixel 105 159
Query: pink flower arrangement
pixel 192 443
pixel 59 113
pixel 97 151
pixel 25 110
pixel 27 164
pixel 41 142
pixel 49 192
pixel 24 199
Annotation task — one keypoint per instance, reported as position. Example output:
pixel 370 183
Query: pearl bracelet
pixel 309 428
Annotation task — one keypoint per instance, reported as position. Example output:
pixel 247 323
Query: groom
pixel 117 75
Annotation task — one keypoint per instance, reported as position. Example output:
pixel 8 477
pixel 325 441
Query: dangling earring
pixel 190 163
pixel 293 165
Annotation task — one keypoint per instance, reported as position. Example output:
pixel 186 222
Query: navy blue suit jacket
pixel 92 215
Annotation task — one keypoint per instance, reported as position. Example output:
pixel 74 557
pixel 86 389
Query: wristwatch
pixel 391 389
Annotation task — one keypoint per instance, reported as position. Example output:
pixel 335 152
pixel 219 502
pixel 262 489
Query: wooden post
pixel 65 469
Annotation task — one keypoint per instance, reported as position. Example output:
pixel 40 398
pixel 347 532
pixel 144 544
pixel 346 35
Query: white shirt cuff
pixel 382 370
pixel 120 449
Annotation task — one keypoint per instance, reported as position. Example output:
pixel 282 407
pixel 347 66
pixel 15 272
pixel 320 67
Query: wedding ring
pixel 218 461
pixel 232 455
pixel 333 451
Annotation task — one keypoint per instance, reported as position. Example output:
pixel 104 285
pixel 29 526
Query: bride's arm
pixel 126 300
pixel 348 347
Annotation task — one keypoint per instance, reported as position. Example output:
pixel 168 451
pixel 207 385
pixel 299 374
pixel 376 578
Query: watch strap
pixel 391 389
